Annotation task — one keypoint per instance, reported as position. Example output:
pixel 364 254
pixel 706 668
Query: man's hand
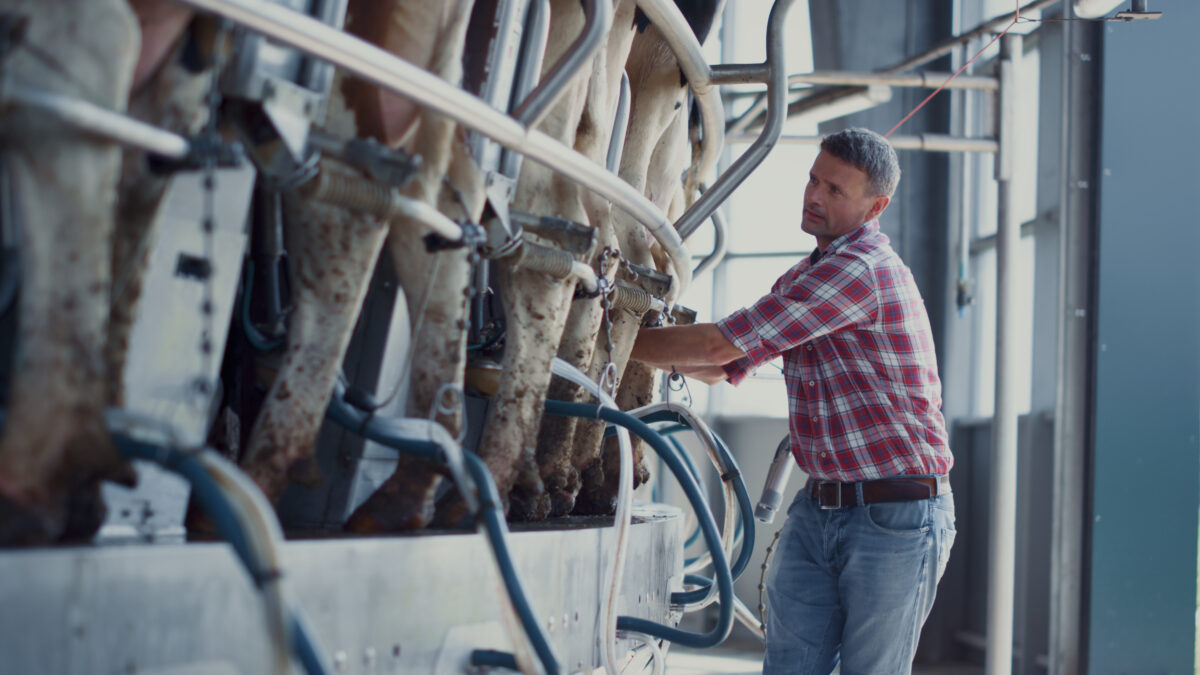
pixel 698 350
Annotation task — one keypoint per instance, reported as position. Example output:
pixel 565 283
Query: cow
pixel 85 212
pixel 332 253
pixel 656 154
pixel 536 305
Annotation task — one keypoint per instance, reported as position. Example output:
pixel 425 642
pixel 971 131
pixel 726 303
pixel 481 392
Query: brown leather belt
pixel 834 495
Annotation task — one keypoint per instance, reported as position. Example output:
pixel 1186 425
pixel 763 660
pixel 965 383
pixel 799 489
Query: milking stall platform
pixel 410 604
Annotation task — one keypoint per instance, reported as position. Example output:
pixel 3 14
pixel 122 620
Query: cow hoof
pixel 529 508
pixel 85 514
pixel 197 523
pixel 591 505
pixel 362 522
pixel 22 525
pixel 562 503
pixel 452 513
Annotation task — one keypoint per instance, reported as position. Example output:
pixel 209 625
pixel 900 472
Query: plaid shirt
pixel 862 382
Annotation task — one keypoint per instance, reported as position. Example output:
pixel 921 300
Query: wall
pixel 1147 396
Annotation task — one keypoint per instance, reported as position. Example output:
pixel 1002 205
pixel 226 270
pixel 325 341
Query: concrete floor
pixel 726 661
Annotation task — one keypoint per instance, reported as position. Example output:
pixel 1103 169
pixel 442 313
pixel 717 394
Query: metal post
pixel 1002 559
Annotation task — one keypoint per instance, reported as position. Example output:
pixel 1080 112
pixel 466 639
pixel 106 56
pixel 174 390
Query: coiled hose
pixel 724 578
pixel 729 472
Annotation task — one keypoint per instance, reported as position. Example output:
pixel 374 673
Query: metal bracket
pixel 472 235
pixel 574 238
pixel 201 148
pixel 393 168
pixel 648 279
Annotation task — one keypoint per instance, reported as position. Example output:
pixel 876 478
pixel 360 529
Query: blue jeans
pixel 855 583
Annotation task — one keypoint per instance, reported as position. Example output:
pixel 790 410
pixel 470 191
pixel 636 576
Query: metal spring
pixel 548 261
pixel 350 193
pixel 633 299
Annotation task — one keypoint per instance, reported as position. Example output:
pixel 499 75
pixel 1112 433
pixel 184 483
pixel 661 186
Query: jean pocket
pixel 945 543
pixel 903 518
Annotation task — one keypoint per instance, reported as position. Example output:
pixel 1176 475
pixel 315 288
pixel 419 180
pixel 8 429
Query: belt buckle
pixel 820 495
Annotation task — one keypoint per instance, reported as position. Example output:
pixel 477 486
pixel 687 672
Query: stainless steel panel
pixel 398 605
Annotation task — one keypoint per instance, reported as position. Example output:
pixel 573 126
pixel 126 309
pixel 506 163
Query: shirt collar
pixel 864 230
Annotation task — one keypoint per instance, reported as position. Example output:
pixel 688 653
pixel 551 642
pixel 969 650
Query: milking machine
pixel 274 92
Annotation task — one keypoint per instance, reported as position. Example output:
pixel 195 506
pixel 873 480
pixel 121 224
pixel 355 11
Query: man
pixel 867 538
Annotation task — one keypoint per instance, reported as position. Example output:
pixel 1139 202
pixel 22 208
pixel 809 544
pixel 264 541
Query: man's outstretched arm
pixel 698 350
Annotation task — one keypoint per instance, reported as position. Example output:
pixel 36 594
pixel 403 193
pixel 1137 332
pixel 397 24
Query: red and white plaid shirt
pixel 862 381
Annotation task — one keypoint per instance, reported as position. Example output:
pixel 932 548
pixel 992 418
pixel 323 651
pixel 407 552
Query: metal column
pixel 1002 559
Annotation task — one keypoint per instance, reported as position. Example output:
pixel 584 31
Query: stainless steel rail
pixel 757 152
pixel 936 52
pixel 394 74
pixel 719 245
pixel 597 22
pixel 926 142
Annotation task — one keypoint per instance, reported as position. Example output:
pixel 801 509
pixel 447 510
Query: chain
pixel 762 582
pixel 608 377
pixel 208 221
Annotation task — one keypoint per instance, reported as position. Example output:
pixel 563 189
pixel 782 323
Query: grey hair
pixel 868 151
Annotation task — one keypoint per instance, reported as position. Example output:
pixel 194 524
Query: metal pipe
pixel 529 68
pixel 98 120
pixel 1002 530
pixel 720 227
pixel 926 142
pixel 757 152
pixel 598 16
pixel 616 143
pixel 926 80
pixel 533 52
pixel 671 24
pixel 397 75
pixel 740 73
pixel 932 54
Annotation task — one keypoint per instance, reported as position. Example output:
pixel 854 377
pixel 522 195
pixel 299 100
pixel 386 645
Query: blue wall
pixel 1146 472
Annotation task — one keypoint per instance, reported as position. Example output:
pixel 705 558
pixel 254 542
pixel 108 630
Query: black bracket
pixel 201 149
pixel 472 235
pixel 381 163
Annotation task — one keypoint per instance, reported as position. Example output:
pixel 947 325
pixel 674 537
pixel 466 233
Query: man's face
pixel 837 199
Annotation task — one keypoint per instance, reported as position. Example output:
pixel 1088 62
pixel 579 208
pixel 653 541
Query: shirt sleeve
pixel 836 295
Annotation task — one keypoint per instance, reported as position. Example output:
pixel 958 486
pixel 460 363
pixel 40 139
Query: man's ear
pixel 881 203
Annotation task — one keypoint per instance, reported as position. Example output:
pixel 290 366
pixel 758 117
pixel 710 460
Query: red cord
pixel 960 70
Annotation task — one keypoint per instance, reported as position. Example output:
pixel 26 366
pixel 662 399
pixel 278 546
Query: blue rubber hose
pixel 490 514
pixel 214 503
pixel 746 511
pixel 724 578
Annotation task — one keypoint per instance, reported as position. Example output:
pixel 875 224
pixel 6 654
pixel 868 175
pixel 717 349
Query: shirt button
pixel 824 454
pixel 812 383
pixel 810 348
pixel 814 419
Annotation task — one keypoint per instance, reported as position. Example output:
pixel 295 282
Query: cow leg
pixel 554 445
pixel 435 284
pixel 655 145
pixel 331 256
pixel 535 307
pixel 55 438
